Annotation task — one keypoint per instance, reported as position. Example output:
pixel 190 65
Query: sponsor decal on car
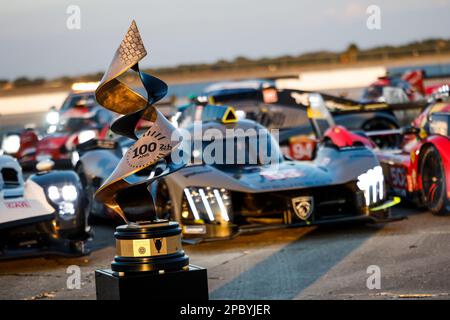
pixel 20 204
pixel 398 177
pixel 281 175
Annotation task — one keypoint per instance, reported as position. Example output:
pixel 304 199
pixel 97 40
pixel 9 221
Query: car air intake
pixel 10 177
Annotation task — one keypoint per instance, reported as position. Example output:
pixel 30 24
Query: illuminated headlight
pixel 372 184
pixel 64 197
pixel 86 135
pixel 11 144
pixel 52 118
pixel 53 193
pixel 66 208
pixel 69 193
pixel 207 204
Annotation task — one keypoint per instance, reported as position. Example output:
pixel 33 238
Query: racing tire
pixel 94 210
pixel 433 193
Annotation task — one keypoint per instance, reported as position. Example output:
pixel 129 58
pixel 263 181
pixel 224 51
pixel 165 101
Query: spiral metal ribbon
pixel 156 143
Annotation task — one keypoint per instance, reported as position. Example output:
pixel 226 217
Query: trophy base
pixel 152 246
pixel 187 284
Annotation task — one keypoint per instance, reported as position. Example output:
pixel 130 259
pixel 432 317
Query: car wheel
pixel 164 204
pixel 390 141
pixel 93 208
pixel 433 191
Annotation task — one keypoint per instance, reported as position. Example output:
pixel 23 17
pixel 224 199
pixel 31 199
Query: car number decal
pixel 302 149
pixel 398 177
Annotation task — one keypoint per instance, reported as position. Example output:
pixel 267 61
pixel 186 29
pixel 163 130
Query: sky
pixel 35 40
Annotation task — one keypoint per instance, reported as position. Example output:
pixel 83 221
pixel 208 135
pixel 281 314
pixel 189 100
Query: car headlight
pixel 207 204
pixel 52 129
pixel 64 197
pixel 372 184
pixel 11 144
pixel 52 118
pixel 86 135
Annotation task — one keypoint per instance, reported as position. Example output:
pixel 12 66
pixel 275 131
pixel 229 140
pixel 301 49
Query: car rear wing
pixel 340 105
pixel 96 144
pixel 377 133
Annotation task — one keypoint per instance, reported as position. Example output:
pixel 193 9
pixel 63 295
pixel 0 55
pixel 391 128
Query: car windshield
pixel 269 115
pixel 372 93
pixel 239 150
pixel 75 125
pixel 87 99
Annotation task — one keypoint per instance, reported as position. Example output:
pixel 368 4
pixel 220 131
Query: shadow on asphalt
pixel 296 266
pixel 299 264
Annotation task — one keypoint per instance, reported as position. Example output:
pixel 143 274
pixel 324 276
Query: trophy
pixel 148 249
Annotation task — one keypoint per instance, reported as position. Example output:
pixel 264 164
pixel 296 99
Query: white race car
pixel 42 215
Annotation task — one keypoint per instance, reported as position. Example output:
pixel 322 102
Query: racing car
pixel 419 169
pixel 218 199
pixel 257 100
pixel 43 214
pixel 82 123
pixel 394 87
pixel 78 120
pixel 257 95
pixel 408 87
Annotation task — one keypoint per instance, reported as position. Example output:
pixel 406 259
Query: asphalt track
pixel 297 263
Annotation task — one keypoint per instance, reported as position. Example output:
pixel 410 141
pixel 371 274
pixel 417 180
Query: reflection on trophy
pixel 147 248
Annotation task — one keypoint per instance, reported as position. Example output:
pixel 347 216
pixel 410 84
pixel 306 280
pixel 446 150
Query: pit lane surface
pixel 298 263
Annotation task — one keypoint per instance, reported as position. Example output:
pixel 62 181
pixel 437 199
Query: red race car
pixel 79 119
pixel 85 120
pixel 419 170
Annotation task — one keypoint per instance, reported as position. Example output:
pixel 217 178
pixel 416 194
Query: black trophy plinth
pixel 189 284
pixel 150 258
